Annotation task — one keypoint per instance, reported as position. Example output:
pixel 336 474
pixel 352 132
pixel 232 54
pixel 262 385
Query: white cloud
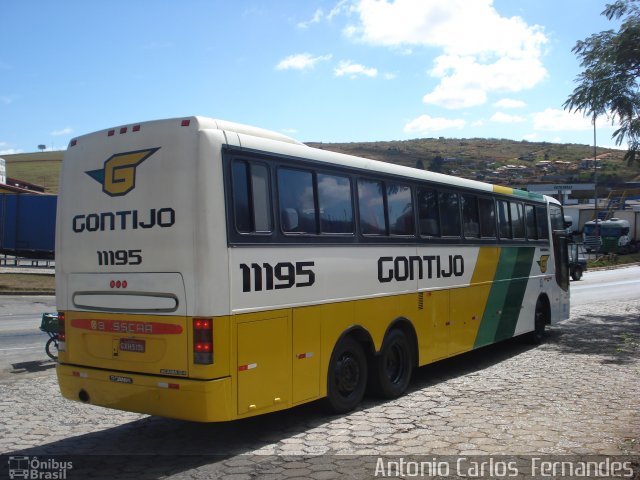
pixel 509 103
pixel 482 51
pixel 59 133
pixel 353 70
pixel 426 124
pixel 301 61
pixel 9 151
pixel 317 17
pixel 501 117
pixel 552 119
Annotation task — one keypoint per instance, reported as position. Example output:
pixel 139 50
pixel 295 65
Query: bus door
pixel 561 255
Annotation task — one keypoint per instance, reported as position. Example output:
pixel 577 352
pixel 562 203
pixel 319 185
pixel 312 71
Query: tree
pixel 609 83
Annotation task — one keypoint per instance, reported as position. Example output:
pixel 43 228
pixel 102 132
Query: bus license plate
pixel 132 345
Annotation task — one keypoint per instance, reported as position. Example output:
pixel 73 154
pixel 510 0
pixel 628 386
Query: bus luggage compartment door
pixel 264 364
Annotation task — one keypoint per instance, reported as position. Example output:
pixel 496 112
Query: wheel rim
pixel 347 374
pixel 394 364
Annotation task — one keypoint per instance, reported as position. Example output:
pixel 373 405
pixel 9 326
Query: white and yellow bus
pixel 210 271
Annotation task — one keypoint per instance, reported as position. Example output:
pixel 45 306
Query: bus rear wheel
pixel 347 376
pixel 394 365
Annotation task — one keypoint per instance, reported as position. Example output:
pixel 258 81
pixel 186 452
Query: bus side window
pixel 541 221
pixel 517 220
pixel 399 209
pixel 487 218
pixel 504 224
pixel 371 207
pixel 296 201
pixel 530 221
pixel 449 214
pixel 470 216
pixel 251 197
pixel 557 218
pixel 428 212
pixel 336 209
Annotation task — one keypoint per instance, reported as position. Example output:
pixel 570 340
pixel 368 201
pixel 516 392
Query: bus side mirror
pixel 568 221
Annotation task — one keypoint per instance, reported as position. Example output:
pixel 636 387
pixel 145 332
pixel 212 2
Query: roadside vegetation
pixel 27 282
pixel 613 260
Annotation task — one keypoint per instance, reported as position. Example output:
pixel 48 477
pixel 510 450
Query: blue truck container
pixel 28 225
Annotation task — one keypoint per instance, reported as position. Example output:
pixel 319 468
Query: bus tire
pixel 347 376
pixel 540 323
pixel 391 374
pixel 576 273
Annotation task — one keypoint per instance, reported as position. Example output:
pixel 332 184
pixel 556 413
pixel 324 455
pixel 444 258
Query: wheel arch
pixel 361 335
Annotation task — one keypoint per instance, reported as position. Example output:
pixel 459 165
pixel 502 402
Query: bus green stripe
pixel 506 295
pixel 515 294
pixel 527 195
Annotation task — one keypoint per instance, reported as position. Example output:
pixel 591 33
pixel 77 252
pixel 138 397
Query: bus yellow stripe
pixel 503 190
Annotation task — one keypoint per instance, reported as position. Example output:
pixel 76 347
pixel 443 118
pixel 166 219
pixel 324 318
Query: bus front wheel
pixel 540 322
pixel 347 376
pixel 392 373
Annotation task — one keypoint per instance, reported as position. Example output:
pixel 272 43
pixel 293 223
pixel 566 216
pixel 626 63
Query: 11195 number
pixel 119 257
pixel 257 277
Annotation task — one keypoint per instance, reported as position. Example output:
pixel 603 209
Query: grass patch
pixel 27 282
pixel 613 260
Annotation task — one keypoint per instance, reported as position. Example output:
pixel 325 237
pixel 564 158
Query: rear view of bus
pixel 138 335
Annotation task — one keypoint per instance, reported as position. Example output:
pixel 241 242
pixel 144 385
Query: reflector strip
pixel 80 374
pixel 300 356
pixel 250 366
pixel 173 386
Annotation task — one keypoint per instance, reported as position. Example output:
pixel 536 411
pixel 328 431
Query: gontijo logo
pixel 118 176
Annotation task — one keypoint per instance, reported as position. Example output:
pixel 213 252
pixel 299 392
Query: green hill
pixel 499 161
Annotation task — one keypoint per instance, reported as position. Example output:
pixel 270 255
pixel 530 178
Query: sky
pixel 316 70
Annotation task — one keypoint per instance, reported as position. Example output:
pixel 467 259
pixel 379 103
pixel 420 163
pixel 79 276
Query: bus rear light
pixel 123 130
pixel 203 341
pixel 136 128
pixel 185 123
pixel 74 142
pixel 111 133
pixel 203 347
pixel 61 332
pixel 118 284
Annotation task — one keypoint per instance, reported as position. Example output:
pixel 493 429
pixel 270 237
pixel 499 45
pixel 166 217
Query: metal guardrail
pixel 19 262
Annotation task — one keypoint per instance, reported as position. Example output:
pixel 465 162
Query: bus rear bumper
pixel 173 397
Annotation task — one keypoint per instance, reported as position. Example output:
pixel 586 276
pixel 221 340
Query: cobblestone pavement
pixel 577 394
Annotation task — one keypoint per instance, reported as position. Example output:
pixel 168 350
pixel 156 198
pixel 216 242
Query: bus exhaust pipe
pixel 83 396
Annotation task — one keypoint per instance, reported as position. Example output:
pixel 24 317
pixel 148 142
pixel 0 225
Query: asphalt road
pixel 21 341
pixel 606 285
